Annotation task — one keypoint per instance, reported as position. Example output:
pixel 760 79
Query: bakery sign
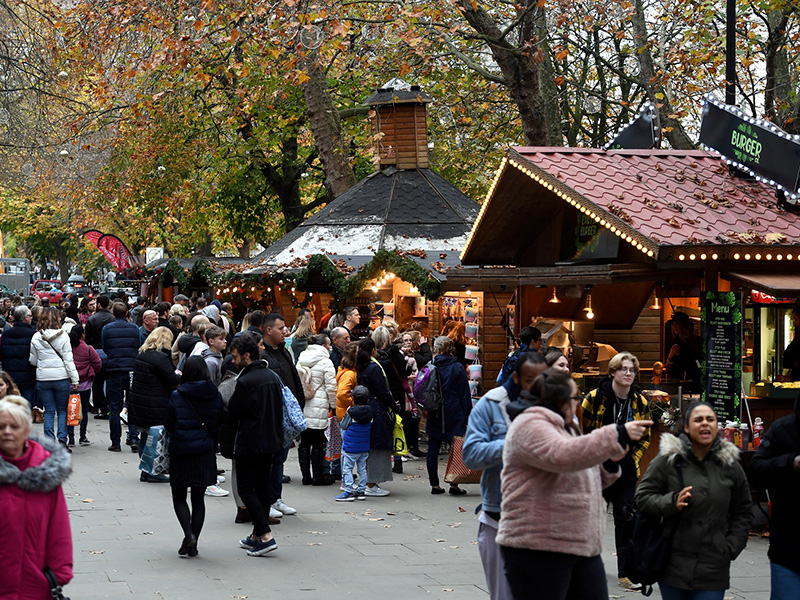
pixel 753 145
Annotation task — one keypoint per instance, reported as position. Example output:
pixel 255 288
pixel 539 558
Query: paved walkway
pixel 408 545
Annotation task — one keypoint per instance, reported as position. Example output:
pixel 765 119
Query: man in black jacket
pixel 94 332
pixel 340 337
pixel 15 352
pixel 256 409
pixel 776 465
pixel 280 361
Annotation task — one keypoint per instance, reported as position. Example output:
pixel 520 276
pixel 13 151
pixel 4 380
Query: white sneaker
pixel 215 490
pixel 376 490
pixel 275 513
pixel 283 507
pixel 220 479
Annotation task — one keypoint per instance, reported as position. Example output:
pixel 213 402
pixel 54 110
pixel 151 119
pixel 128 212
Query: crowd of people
pixel 552 458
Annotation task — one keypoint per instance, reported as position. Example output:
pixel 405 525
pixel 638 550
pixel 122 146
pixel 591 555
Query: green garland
pixel 202 273
pixel 176 272
pixel 349 287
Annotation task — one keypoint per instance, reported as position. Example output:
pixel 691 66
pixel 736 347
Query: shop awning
pixel 774 284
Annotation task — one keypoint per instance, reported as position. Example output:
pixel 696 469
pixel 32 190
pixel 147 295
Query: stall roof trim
pixel 775 284
pixel 650 198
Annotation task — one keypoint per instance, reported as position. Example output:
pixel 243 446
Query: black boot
pixel 304 457
pixel 317 462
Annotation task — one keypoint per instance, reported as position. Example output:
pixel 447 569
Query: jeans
pixel 785 582
pixel 85 394
pixel 540 575
pixel 358 460
pixel 492 559
pixel 620 494
pixel 54 396
pixel 669 592
pixel 277 473
pixel 253 480
pixel 99 400
pixel 117 386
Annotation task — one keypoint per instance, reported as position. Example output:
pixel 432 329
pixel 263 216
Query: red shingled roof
pixel 672 197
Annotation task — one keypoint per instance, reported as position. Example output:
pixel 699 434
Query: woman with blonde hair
pixel 154 379
pixel 303 331
pixel 51 354
pixel 34 519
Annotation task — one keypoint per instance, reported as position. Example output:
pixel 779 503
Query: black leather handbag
pixel 55 589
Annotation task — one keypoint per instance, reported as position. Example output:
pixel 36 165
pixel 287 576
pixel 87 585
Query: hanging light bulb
pixel 588 307
pixel 375 289
pixel 554 299
pixel 391 276
pixel 469 292
pixel 655 305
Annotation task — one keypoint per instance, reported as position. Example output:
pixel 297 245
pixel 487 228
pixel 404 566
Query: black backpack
pixel 646 553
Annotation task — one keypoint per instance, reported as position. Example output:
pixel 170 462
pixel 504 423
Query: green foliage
pixel 202 273
pixel 344 287
pixel 174 273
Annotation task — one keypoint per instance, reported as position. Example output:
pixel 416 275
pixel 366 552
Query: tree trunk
pixel 672 128
pixel 327 128
pixel 244 249
pixel 778 89
pixel 521 70
pixel 61 257
pixel 550 96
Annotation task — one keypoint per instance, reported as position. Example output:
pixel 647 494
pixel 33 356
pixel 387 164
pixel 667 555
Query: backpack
pixel 305 379
pixel 646 554
pixel 428 388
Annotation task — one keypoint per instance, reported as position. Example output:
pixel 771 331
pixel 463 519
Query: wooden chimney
pixel 400 125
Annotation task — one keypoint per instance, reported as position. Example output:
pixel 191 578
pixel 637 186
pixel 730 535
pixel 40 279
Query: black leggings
pixel 313 438
pixel 539 575
pixel 191 523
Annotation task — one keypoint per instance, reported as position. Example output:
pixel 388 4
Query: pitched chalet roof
pixel 409 210
pixel 656 200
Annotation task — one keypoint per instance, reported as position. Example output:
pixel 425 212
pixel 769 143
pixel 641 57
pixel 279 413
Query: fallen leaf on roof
pixel 674 222
pixel 675 206
pixel 775 238
pixel 616 210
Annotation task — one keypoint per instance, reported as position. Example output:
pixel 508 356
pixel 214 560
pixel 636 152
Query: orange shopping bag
pixel 74 410
pixel 456 471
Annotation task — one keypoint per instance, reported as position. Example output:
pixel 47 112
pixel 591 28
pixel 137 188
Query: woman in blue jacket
pixel 194 414
pixel 371 375
pixel 451 418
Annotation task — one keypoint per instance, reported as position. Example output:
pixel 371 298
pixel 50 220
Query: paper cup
pixel 470 315
pixel 475 371
pixel 471 352
pixel 471 331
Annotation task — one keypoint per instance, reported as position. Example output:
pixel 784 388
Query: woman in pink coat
pixel 553 513
pixel 33 512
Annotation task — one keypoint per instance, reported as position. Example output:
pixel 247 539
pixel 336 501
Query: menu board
pixel 721 316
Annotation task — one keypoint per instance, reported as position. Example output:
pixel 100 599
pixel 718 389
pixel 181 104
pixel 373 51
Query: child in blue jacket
pixel 355 445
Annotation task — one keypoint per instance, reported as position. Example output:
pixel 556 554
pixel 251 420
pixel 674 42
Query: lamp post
pixel 730 53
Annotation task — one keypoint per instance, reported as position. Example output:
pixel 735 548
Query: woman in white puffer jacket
pixel 51 354
pixel 311 452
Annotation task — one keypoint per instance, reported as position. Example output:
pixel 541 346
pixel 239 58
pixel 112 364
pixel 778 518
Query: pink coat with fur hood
pixel 553 483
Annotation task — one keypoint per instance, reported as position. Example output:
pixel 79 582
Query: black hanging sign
pixel 643 133
pixel 721 317
pixel 758 147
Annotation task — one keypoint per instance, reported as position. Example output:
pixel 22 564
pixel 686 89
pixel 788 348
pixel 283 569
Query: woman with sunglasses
pixel 553 512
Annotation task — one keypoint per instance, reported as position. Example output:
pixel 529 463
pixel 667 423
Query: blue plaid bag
pixel 294 422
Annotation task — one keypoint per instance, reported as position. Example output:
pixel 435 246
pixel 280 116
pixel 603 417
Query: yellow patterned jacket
pixel 594 415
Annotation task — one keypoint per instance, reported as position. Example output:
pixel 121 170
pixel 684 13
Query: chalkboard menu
pixel 721 316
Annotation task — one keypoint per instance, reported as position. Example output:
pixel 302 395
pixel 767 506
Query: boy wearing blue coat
pixel 355 445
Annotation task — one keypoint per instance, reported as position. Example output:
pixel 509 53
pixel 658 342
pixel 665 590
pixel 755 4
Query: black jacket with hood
pixel 773 467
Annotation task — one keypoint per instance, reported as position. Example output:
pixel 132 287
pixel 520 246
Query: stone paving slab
pixel 408 545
